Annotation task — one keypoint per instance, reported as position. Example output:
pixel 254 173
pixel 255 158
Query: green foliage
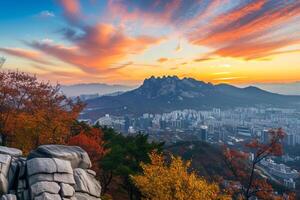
pixel 125 153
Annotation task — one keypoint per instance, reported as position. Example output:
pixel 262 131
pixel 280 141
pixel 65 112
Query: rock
pixel 76 155
pixel 22 167
pixel 21 184
pixel 4 164
pixel 64 178
pixel 13 172
pixel 23 195
pixel 56 177
pixel 47 196
pixel 71 198
pixel 41 165
pixel 3 184
pixel 86 183
pixel 52 172
pixel 9 197
pixel 84 196
pixel 10 151
pixel 91 172
pixel 66 190
pixel 44 186
pixel 16 171
pixel 40 177
pixel 4 168
pixel 63 166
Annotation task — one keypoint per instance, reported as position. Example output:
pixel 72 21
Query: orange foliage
pixel 244 170
pixel 33 112
pixel 92 142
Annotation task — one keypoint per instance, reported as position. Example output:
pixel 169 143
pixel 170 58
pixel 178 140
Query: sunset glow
pixel 120 41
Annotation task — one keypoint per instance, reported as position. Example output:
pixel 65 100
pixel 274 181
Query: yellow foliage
pixel 161 181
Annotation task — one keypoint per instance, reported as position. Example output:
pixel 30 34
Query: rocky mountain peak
pixel 154 87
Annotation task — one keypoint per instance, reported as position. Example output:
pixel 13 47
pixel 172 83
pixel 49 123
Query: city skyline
pixel 123 42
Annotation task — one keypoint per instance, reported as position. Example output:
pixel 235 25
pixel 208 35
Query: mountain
pixel 164 94
pixel 93 88
pixel 281 88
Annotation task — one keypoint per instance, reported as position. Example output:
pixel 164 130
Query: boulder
pixel 4 164
pixel 22 167
pixel 48 196
pixel 23 195
pixel 64 178
pixel 9 197
pixel 16 171
pixel 91 172
pixel 63 166
pixel 41 165
pixel 21 184
pixel 76 155
pixel 86 183
pixel 84 196
pixel 51 172
pixel 44 186
pixel 40 177
pixel 4 168
pixel 56 177
pixel 3 184
pixel 10 151
pixel 66 190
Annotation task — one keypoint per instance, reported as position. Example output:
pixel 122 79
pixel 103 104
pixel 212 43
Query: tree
pixel 245 171
pixel 123 159
pixel 91 140
pixel 33 112
pixel 163 181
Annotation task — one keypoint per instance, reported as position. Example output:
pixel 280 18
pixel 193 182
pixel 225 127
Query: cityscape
pixel 230 127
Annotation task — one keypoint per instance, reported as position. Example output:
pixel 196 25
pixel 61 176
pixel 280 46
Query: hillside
pixel 165 94
pixel 207 160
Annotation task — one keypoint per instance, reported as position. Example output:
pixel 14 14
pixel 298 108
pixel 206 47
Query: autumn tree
pixel 91 140
pixel 34 112
pixel 172 180
pixel 245 170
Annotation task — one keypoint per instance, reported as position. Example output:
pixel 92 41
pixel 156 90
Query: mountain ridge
pixel 167 93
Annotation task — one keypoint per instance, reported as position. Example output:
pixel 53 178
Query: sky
pixel 125 41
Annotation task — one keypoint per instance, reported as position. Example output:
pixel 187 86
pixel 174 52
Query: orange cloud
pixel 98 48
pixel 202 59
pixel 214 25
pixel 27 54
pixel 161 60
pixel 250 50
pixel 238 13
pixel 71 9
pixel 247 33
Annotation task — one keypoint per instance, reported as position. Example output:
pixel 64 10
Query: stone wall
pixel 51 172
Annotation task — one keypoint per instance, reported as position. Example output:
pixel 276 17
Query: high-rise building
pixel 290 139
pixel 204 133
pixel 243 131
pixel 265 136
pixel 289 183
pixel 126 124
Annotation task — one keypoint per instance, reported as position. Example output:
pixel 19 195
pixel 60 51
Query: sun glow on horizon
pixel 124 42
